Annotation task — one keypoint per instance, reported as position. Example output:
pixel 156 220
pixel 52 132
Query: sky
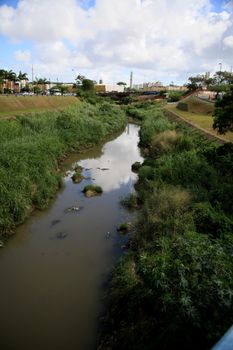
pixel 158 40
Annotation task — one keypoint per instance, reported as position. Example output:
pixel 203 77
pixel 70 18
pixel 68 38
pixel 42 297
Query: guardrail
pixel 226 342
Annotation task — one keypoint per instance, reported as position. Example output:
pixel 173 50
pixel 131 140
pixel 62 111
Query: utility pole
pixel 32 74
pixel 32 78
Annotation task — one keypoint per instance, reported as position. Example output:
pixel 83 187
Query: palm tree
pixel 22 76
pixel 11 77
pixel 2 78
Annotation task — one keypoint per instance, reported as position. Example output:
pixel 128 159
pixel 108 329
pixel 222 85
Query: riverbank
pixel 176 278
pixel 31 147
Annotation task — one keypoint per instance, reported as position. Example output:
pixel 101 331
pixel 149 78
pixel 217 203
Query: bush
pixel 174 96
pixel 182 106
pixel 93 188
pixel 210 220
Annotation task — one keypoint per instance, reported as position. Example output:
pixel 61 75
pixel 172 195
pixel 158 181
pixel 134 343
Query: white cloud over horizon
pixel 157 39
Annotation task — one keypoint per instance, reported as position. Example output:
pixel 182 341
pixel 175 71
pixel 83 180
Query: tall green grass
pixel 31 147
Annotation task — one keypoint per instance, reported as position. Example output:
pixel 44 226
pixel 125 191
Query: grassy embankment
pixel 31 147
pixel 199 113
pixel 14 105
pixel 173 288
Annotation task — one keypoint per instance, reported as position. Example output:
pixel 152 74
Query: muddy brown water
pixel 53 270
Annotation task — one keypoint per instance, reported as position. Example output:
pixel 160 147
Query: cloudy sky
pixel 166 40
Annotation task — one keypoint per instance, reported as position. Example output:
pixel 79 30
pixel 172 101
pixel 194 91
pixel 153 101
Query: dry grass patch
pixel 14 105
pixel 163 142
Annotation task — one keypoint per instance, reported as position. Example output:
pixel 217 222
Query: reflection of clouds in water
pixel 118 157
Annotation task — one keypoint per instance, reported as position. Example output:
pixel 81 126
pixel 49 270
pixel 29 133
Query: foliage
pixel 223 116
pixel 136 166
pixel 93 188
pixel 130 201
pixel 175 96
pixel 84 83
pixel 182 106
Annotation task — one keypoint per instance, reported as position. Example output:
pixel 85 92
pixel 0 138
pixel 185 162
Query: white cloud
pixel 228 41
pixel 24 56
pixel 164 37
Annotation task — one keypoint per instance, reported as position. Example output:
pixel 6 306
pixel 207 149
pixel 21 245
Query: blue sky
pixel 166 40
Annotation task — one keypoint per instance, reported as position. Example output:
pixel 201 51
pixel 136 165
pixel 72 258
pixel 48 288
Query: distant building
pixel 103 88
pixel 176 88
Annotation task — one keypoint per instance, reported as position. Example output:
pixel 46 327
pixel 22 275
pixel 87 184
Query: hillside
pixel 198 106
pixel 13 105
pixel 199 113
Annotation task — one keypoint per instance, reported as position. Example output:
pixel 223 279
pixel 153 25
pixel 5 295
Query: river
pixel 54 269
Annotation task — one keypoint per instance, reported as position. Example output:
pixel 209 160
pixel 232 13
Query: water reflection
pixel 112 169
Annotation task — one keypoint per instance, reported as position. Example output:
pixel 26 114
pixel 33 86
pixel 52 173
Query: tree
pixel 88 85
pixel 79 79
pixel 223 116
pixel 22 76
pixel 64 89
pixel 195 83
pixel 85 84
pixel 121 83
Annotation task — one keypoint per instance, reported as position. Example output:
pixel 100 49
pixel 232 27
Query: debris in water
pixel 55 222
pixel 61 235
pixel 71 209
pixel 103 169
pixel 108 235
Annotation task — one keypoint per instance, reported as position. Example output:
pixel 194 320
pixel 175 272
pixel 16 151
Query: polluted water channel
pixel 54 269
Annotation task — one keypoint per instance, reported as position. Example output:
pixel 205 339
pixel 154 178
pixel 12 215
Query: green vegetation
pixel 130 201
pixel 177 277
pixel 136 166
pixel 182 106
pixel 14 105
pixel 125 227
pixel 92 190
pixel 32 146
pixel 77 177
pixel 174 96
pixel 223 116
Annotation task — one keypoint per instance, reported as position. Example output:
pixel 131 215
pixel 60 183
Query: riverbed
pixel 54 270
